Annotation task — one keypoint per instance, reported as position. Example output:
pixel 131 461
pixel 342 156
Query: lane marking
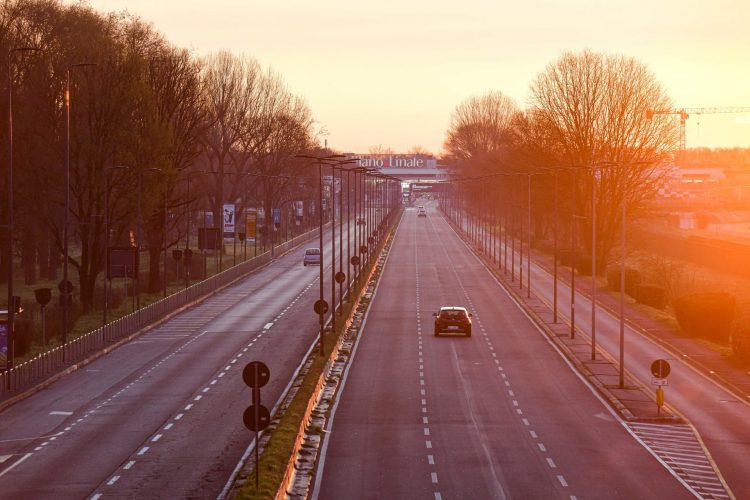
pixel 113 480
pixel 430 460
pixel 428 444
pixel 187 408
pixel 551 463
pixel 541 447
pixel 156 438
pixel 64 413
pixel 433 476
pixel 179 416
pixel 268 325
pixel 129 465
pixel 17 463
pixel 143 450
pixel 562 481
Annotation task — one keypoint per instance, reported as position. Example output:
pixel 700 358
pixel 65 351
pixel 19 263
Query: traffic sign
pixel 660 368
pixel 256 374
pixel 355 260
pixel 370 240
pixel 320 306
pixel 65 286
pixel 659 381
pixel 256 418
pixel 340 277
pixel 363 249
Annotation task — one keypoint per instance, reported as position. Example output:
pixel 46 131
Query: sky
pixel 390 73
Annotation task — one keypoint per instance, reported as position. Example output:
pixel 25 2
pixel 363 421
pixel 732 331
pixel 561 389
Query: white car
pixel 312 257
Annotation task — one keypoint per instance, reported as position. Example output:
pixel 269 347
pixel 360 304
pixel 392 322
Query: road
pixel 496 415
pixel 719 416
pixel 161 416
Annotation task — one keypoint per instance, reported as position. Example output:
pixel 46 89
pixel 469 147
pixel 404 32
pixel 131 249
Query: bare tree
pixel 479 135
pixel 593 108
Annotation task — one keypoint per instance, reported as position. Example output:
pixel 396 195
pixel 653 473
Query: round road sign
pixel 340 277
pixel 363 249
pixel 355 260
pixel 370 240
pixel 320 306
pixel 65 286
pixel 660 368
pixel 259 423
pixel 256 374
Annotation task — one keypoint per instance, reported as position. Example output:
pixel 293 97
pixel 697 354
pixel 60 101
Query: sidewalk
pixel 632 402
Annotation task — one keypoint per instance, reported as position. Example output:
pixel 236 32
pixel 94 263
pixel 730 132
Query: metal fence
pixel 76 350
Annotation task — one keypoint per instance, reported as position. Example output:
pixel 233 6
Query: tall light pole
pixel 67 287
pixel 11 302
pixel 188 255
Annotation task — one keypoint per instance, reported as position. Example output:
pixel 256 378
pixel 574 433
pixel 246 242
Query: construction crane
pixel 685 113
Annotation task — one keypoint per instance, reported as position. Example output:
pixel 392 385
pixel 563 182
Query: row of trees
pixel 586 124
pixel 136 101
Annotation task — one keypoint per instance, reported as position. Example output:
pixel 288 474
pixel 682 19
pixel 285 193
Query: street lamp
pixel 67 287
pixel 11 302
pixel 320 305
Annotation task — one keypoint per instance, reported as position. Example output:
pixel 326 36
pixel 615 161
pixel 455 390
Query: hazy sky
pixel 391 72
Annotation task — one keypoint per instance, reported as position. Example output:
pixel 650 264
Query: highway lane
pixel 162 416
pixel 497 415
pixel 719 416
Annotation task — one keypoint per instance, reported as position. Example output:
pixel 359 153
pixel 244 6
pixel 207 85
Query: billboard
pixel 251 223
pixel 228 220
pixel 123 262
pixel 300 208
pixel 4 336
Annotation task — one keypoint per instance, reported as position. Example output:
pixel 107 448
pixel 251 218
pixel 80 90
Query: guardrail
pixel 35 369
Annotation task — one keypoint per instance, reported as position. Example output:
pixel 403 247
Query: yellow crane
pixel 685 113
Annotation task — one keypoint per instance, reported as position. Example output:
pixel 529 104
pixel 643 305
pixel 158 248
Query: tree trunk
pixel 154 269
pixel 28 255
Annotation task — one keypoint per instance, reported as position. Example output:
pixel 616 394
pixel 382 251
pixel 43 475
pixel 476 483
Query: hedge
pixel 706 315
pixel 632 279
pixel 651 295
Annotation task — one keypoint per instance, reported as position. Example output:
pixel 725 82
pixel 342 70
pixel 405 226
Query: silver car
pixel 312 257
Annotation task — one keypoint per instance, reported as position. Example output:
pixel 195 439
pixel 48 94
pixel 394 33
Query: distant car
pixel 360 221
pixel 453 319
pixel 312 257
pixel 421 212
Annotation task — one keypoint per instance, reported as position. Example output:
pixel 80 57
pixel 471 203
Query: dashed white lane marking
pixel 433 476
pixel 426 431
pixel 268 325
pixel 438 496
pixel 197 398
pixel 64 413
pixel 143 450
pixel 430 460
pixel 428 444
pixel 562 481
pixel 187 408
pixel 179 416
pixel 96 497
pixel 129 465
pixel 113 480
pixel 551 463
pixel 168 426
pixel 156 438
pixel 541 447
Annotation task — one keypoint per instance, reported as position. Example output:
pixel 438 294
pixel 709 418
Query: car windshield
pixel 312 251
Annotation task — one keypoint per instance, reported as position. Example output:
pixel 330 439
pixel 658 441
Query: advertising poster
pixel 3 343
pixel 300 207
pixel 228 218
pixel 251 223
pixel 276 214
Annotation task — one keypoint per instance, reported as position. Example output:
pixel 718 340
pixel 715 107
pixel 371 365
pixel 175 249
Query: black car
pixel 453 319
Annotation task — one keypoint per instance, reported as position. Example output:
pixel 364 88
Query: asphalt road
pixel 496 415
pixel 161 416
pixel 719 416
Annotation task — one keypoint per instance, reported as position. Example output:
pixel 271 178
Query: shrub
pixel 651 295
pixel 632 280
pixel 707 315
pixel 741 341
